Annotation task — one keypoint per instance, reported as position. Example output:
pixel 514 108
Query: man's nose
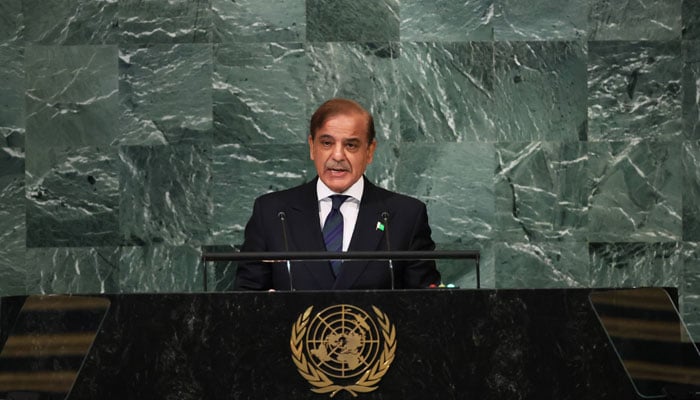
pixel 338 152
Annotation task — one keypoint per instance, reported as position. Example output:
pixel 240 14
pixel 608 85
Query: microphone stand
pixel 283 217
pixel 385 218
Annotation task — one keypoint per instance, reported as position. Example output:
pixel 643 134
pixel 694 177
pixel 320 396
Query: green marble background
pixel 559 137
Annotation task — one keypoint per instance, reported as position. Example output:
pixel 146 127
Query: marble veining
pixel 635 191
pixel 73 270
pixel 636 264
pixel 11 21
pixel 691 90
pixel 73 198
pixel 447 20
pixel 165 194
pixel 12 118
pixel 259 20
pixel 634 90
pixel 159 268
pixel 358 20
pixel 548 265
pixel 460 202
pixel 70 22
pixel 12 222
pixel 455 82
pixel 71 95
pixel 165 94
pixel 259 93
pixel 165 21
pixel 539 191
pixel 541 20
pixel 634 20
pixel 539 91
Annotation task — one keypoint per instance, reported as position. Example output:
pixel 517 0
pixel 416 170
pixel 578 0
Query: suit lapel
pixel 365 237
pixel 306 235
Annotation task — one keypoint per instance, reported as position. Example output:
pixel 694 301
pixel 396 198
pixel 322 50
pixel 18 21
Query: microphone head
pixel 385 215
pixel 281 215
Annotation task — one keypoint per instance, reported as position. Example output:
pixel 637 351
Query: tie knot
pixel 337 200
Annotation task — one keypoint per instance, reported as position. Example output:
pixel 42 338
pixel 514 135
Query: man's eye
pixel 351 146
pixel 326 143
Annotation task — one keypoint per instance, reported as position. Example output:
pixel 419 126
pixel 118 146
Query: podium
pixel 418 344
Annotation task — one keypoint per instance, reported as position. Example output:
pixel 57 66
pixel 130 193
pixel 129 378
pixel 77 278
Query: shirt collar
pixel 355 191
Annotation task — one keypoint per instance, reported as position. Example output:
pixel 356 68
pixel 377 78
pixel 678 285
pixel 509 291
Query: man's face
pixel 340 150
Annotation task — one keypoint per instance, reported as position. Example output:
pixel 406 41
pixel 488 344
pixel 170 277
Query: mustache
pixel 342 166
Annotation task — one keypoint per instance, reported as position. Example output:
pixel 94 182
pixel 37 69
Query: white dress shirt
pixel 350 208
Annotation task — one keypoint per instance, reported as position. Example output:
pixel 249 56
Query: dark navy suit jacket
pixel 408 230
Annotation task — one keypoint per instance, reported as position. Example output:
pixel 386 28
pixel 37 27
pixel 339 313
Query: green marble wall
pixel 559 137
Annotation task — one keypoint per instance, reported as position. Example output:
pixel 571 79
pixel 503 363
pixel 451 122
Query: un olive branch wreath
pixel 322 383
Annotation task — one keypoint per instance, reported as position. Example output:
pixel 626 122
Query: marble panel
pixel 70 22
pixel 165 194
pixel 72 197
pixel 689 287
pixel 220 275
pixel 540 191
pixel 691 90
pixel 455 180
pixel 462 273
pixel 12 121
pixel 691 191
pixel 165 94
pixel 634 20
pixel 11 21
pixel 382 170
pixel 636 264
pixel 541 19
pixel 364 72
pixel 634 90
pixel 541 265
pixel 635 191
pixel 447 20
pixel 72 95
pixel 259 93
pixel 447 92
pixel 690 15
pixel 80 270
pixel 12 222
pixel 352 20
pixel 165 21
pixel 540 91
pixel 259 20
pixel 242 173
pixel 160 269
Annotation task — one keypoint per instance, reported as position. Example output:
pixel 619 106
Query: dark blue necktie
pixel 333 230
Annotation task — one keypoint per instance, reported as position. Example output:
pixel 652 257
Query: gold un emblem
pixel 343 348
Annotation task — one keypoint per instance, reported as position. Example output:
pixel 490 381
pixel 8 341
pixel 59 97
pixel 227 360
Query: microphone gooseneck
pixel 283 221
pixel 385 219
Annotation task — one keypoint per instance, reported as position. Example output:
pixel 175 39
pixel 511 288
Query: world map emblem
pixel 343 347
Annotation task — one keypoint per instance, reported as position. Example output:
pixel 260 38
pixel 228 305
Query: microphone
pixel 283 218
pixel 385 218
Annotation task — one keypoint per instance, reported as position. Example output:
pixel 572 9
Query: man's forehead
pixel 335 125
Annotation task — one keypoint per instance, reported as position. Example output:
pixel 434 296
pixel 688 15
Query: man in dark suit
pixel 341 145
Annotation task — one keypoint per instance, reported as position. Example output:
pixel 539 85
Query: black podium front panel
pixel 432 344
